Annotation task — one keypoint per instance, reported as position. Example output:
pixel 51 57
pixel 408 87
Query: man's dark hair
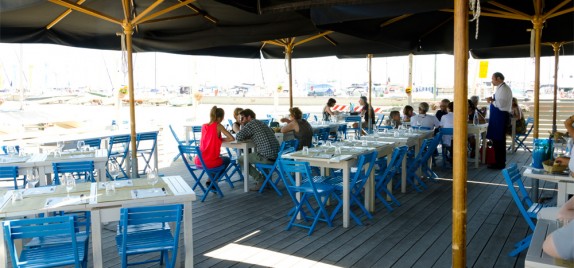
pixel 331 102
pixel 247 112
pixel 499 75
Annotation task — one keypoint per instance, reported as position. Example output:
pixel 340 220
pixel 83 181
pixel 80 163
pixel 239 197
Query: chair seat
pixel 322 189
pixel 147 241
pixel 50 256
pixel 81 237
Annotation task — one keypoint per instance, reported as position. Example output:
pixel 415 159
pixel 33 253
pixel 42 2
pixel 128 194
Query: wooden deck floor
pixel 248 229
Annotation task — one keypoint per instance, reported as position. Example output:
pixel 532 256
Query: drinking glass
pixel 152 178
pixel 70 183
pixel 418 125
pixel 114 170
pixel 305 150
pixel 11 150
pixel 80 145
pixel 60 146
pixel 32 177
pixel 315 141
pixel 338 150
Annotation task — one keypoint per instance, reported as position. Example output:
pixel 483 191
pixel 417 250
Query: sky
pixel 40 66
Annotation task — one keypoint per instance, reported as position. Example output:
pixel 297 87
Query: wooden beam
pixel 163 11
pixel 312 38
pixel 62 16
pixel 507 16
pixel 330 40
pixel 85 10
pixel 557 7
pixel 201 12
pixel 169 18
pixel 562 12
pixel 509 9
pixel 126 9
pixel 395 19
pixel 140 16
pixel 279 43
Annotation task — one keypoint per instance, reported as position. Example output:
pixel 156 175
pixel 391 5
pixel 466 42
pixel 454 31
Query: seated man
pixel 394 119
pixel 423 119
pixel 266 144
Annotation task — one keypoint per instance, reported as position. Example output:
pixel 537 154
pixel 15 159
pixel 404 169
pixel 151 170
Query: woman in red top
pixel 210 142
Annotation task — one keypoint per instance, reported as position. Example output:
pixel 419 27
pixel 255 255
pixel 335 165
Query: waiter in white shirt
pixel 500 108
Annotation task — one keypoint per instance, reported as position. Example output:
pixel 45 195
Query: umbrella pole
pixel 370 65
pixel 459 209
pixel 128 30
pixel 537 21
pixel 410 85
pixel 288 51
pixel 556 47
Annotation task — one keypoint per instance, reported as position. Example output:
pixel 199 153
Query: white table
pixel 565 182
pixel 535 257
pixel 413 139
pixel 105 208
pixel 477 131
pixel 345 162
pixel 44 163
pixel 245 146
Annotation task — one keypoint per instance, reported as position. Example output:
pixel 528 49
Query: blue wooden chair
pixel 72 252
pixel 380 121
pixel 118 149
pixel 82 224
pixel 133 240
pixel 306 116
pixel 266 121
pixel 179 142
pixel 420 128
pixel 420 161
pixel 94 143
pixel 429 152
pixel 10 172
pixel 269 169
pixel 445 148
pixel 213 174
pixel 230 124
pixel 359 178
pixel 5 149
pixel 323 134
pixel 384 178
pixel 352 120
pixel 520 138
pixel 528 209
pixel 196 135
pixel 314 195
pixel 341 132
pixel 79 169
pixel 233 168
pixel 145 146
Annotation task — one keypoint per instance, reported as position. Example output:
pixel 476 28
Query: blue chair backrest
pixel 122 140
pixel 323 134
pixel 446 131
pixel 529 122
pixel 342 130
pixel 353 119
pixel 289 168
pixel 265 121
pixel 81 168
pixel 230 122
pixel 94 143
pixel 365 165
pixel 380 120
pixel 5 149
pixel 420 128
pixel 147 136
pixel 288 146
pixel 306 116
pixel 196 132
pixel 430 147
pixel 179 142
pixel 39 227
pixel 521 198
pixel 10 172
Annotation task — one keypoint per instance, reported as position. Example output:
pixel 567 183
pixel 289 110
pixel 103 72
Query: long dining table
pixel 44 162
pixel 104 207
pixel 325 157
pixel 409 139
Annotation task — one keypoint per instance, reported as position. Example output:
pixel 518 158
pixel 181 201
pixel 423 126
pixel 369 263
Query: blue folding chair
pixel 352 120
pixel 5 149
pixel 445 147
pixel 269 169
pixel 341 132
pixel 196 134
pixel 323 134
pixel 118 149
pixel 520 138
pixel 359 178
pixel 179 142
pixel 233 168
pixel 266 121
pixel 145 146
pixel 230 124
pixel 82 224
pixel 79 169
pixel 309 189
pixel 213 174
pixel 136 237
pixel 528 209
pixel 72 252
pixel 420 161
pixel 94 143
pixel 385 177
pixel 420 128
pixel 380 121
pixel 10 172
pixel 429 151
pixel 306 116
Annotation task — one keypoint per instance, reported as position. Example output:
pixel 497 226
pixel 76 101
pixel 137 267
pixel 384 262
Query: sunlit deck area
pixel 248 229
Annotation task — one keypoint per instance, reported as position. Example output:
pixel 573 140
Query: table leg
pixel 245 169
pixel 346 197
pixel 96 222
pixel 513 122
pixel 476 149
pixel 404 175
pixel 483 148
pixel 188 234
pixel 3 253
pixel 370 192
pixel 187 137
pixel 562 194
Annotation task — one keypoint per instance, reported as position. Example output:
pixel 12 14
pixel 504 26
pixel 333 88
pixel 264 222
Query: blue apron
pixel 497 124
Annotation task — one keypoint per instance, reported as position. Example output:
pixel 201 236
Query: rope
pixel 475 8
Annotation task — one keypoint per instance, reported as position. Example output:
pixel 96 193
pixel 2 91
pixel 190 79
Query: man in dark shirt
pixel 443 109
pixel 266 145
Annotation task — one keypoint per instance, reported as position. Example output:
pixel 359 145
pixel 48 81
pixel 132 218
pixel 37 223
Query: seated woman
pixel 517 114
pixel 367 113
pixel 237 124
pixel 211 139
pixel 559 244
pixel 327 112
pixel 300 127
pixel 394 119
pixel 447 121
pixel 408 112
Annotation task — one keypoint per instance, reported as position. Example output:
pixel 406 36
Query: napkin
pixel 39 190
pixel 4 199
pixel 118 184
pixel 13 159
pixel 65 201
pixel 38 158
pixel 145 193
pixel 325 156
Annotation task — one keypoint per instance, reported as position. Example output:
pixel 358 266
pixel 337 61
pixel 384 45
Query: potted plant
pixel 122 92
